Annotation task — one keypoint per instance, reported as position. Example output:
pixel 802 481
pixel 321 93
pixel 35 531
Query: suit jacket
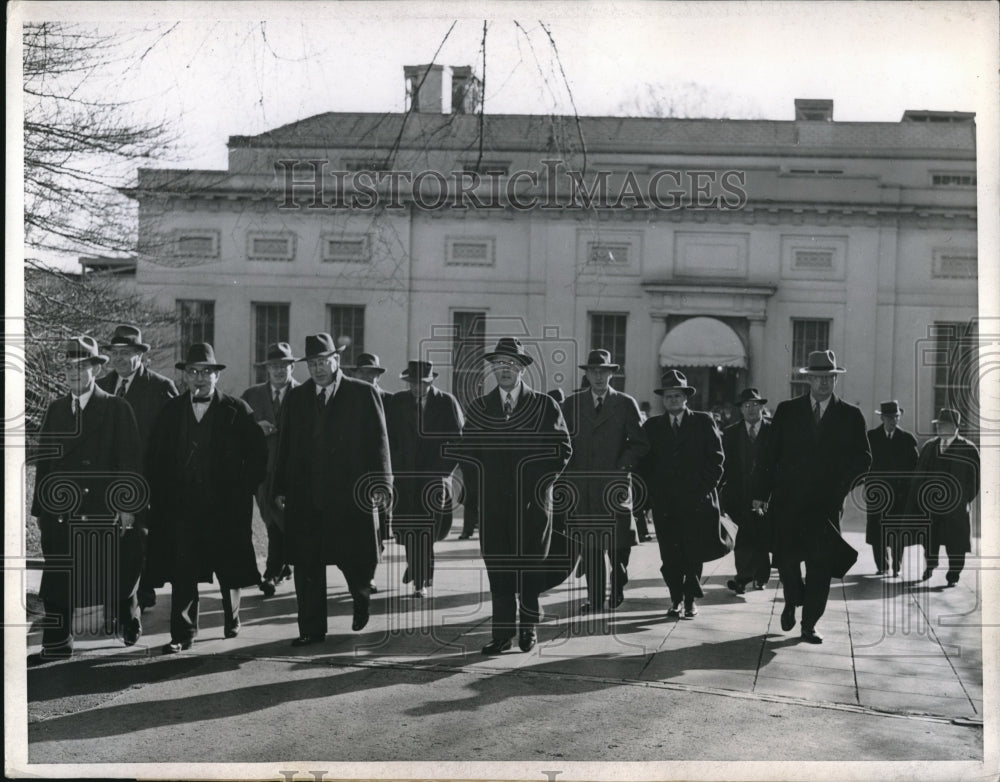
pixel 736 488
pixel 682 474
pixel 887 483
pixel 261 401
pixel 147 393
pixel 421 441
pixel 805 470
pixel 86 467
pixel 509 466
pixel 209 528
pixel 943 489
pixel 607 448
pixel 331 467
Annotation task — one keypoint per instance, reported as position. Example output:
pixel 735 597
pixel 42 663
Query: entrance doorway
pixel 717 388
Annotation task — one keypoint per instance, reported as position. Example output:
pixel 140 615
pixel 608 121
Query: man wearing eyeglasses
pixel 206 458
pixel 333 474
pixel 515 445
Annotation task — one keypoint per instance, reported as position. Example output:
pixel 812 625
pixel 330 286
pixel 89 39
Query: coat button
pixel 60 519
pixel 86 490
pixel 83 518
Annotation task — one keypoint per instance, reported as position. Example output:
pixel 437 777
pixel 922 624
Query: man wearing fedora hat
pixel 608 443
pixel 514 446
pixel 368 367
pixel 945 484
pixel 682 472
pixel 817 449
pixel 742 443
pixel 265 400
pixel 333 474
pixel 424 425
pixel 147 392
pixel 207 456
pixel 887 485
pixel 89 462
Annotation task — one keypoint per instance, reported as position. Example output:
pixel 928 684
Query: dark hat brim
pixel 185 364
pixel 142 346
pixel 98 359
pixel 755 399
pixel 523 358
pixel 614 367
pixel 883 412
pixel 335 352
pixel 809 371
pixel 404 375
pixel 689 390
pixel 283 360
pixel 376 370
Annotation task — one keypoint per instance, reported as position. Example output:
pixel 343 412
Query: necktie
pixel 599 406
pixel 676 424
pixel 322 399
pixel 753 432
pixel 277 402
pixel 817 413
pixel 508 407
pixel 122 388
pixel 76 406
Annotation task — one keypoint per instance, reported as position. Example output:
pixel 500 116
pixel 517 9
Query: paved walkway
pixel 895 648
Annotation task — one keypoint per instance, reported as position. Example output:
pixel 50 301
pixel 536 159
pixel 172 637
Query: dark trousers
pixel 641 525
pixel 956 559
pixel 184 602
pixel 310 592
pixel 418 540
pixel 84 585
pixel 514 595
pixel 812 592
pixel 890 545
pixel 594 565
pixel 276 557
pixel 681 572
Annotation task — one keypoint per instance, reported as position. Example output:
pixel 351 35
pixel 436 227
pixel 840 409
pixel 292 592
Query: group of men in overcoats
pixel 319 458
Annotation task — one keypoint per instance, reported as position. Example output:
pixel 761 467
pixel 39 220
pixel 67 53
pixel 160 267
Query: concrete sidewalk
pixel 898 653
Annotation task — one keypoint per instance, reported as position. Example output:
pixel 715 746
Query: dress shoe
pixel 465 537
pixel 895 573
pixel 527 639
pixel 736 586
pixel 928 572
pixel 811 636
pixel 759 584
pixel 267 587
pixel 147 598
pixel 373 587
pixel 231 632
pixel 952 579
pixel 175 647
pixel 617 600
pixel 788 617
pixel 360 619
pixel 131 630
pixel 406 576
pixel 48 656
pixel 422 592
pixel 879 572
pixel 285 575
pixel 645 538
pixel 674 610
pixel 495 647
pixel 586 607
pixel 690 611
pixel 306 640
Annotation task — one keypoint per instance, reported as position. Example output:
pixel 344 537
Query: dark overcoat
pixel 943 489
pixel 509 466
pixel 887 483
pixel 88 467
pixel 806 471
pixel 332 466
pixel 736 487
pixel 212 532
pixel 607 448
pixel 422 440
pixel 147 394
pixel 261 401
pixel 682 473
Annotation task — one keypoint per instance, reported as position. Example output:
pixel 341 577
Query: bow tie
pixel 201 400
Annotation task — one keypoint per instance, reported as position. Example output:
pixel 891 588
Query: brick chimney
pixel 441 89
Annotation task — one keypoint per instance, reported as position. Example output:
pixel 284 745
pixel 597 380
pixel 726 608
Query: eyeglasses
pixel 315 363
pixel 505 364
pixel 200 372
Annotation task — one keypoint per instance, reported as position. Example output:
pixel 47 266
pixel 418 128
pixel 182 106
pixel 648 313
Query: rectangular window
pixel 346 248
pixel 960 265
pixel 807 336
pixel 953 180
pixel 270 325
pixel 607 331
pixel 956 375
pixel 468 349
pixel 270 247
pixel 196 244
pixel 604 253
pixel 347 327
pixel 196 320
pixel 814 259
pixel 469 251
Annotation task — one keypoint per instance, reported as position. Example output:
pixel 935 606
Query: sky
pixel 219 69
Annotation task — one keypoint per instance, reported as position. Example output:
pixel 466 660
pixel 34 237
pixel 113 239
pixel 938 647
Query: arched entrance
pixel 713 358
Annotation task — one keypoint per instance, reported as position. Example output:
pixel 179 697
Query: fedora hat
pixel 318 345
pixel 510 347
pixel 277 351
pixel 368 361
pixel 821 362
pixel 750 395
pixel 200 354
pixel 418 370
pixel 672 380
pixel 600 359
pixel 76 350
pixel 889 408
pixel 948 415
pixel 127 336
